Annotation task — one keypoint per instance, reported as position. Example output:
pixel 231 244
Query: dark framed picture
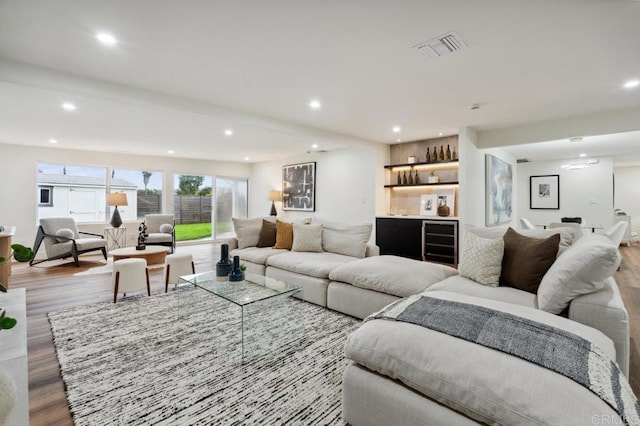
pixel 544 192
pixel 498 191
pixel 299 187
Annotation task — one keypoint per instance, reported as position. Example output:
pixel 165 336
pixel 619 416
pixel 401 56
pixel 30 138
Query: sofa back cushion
pixel 568 235
pixel 482 259
pixel 581 269
pixel 526 260
pixel 349 240
pixel 248 230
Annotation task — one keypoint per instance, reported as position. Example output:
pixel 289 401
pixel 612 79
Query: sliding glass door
pixel 231 200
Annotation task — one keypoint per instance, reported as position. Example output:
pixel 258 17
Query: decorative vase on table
pixel 236 273
pixel 224 265
pixel 444 210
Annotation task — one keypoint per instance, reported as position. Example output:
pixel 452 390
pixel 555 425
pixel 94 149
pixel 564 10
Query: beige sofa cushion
pixel 248 230
pixel 307 238
pixel 568 235
pixel 317 265
pixel 349 240
pixel 393 275
pixel 462 285
pixel 258 255
pixel 487 385
pixel 581 269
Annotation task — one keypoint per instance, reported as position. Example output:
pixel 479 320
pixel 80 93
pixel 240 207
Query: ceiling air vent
pixel 523 160
pixel 442 45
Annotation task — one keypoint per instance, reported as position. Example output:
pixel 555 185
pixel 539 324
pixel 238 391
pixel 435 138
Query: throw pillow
pixel 349 240
pixel 248 231
pixel 65 233
pixel 526 260
pixel 582 269
pixel 284 235
pixel 267 237
pixel 307 238
pixel 165 228
pixel 481 259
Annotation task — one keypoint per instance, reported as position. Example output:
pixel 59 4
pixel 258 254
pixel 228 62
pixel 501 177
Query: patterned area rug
pixel 176 358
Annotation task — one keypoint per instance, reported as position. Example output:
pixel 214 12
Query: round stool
pixel 129 275
pixel 177 265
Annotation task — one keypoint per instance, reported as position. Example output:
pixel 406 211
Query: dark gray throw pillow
pixel 267 236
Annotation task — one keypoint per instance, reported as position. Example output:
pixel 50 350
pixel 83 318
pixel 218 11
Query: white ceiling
pixel 184 71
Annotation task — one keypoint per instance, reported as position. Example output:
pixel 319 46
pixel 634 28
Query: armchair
pixel 62 240
pixel 161 230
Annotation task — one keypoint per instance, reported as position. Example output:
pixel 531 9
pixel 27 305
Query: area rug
pixel 176 358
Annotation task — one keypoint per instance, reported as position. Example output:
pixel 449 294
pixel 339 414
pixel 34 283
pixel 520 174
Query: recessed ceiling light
pixel 583 155
pixel 314 146
pixel 106 39
pixel 170 151
pixel 53 141
pixel 398 140
pixel 228 132
pixel 396 129
pixel 440 134
pixel 246 158
pixel 68 106
pixel 575 139
pixel 631 84
pixel 315 104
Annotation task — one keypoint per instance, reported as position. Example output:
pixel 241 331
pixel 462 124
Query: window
pixel 75 191
pixel 143 189
pixel 231 201
pixel 192 206
pixel 46 196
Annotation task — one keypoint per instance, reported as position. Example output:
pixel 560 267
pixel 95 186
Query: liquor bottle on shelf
pixel 441 154
pixel 416 180
pixel 404 178
pixel 428 156
pixel 410 178
pixel 454 154
pixel 399 179
pixel 448 154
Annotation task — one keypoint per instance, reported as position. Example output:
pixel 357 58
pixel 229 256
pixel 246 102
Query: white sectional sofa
pixel 407 374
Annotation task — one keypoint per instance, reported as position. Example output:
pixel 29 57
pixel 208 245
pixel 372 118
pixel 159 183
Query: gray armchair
pixel 161 230
pixel 62 240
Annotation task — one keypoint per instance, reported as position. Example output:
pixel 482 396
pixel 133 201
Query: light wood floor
pixel 54 286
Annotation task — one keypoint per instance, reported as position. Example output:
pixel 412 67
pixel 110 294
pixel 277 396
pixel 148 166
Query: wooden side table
pixel 152 254
pixel 116 237
pixel 5 251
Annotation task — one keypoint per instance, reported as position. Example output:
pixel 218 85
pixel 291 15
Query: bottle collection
pixel 436 156
pixel 412 178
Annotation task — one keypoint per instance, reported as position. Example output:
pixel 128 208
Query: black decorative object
pixel 224 265
pixel 114 200
pixel 142 237
pixel 236 273
pixel 116 220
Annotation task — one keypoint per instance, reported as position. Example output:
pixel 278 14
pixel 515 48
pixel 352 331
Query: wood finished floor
pixel 54 286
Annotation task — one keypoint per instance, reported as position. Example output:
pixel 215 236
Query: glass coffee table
pixel 254 290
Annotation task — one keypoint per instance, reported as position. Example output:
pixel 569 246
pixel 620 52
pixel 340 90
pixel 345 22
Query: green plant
pixel 6 322
pixel 21 254
pixel 243 266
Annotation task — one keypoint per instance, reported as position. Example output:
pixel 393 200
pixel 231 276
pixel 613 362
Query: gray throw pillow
pixel 307 238
pixel 66 233
pixel 165 228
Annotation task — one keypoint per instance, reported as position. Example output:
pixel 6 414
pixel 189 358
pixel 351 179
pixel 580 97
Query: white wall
pixel 587 193
pixel 18 190
pixel 472 208
pixel 349 184
pixel 627 193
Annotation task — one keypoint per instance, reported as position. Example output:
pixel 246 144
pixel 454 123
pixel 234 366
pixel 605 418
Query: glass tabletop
pixel 254 288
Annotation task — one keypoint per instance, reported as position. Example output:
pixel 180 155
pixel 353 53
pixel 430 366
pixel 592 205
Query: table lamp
pixel 116 199
pixel 273 197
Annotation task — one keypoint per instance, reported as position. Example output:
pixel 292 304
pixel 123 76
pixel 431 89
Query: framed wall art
pixel 299 187
pixel 544 192
pixel 498 191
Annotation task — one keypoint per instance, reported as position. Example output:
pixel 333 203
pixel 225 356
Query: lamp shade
pixel 275 195
pixel 117 199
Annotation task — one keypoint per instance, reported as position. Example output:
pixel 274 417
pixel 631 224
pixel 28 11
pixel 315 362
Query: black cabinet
pixel 440 241
pixel 399 237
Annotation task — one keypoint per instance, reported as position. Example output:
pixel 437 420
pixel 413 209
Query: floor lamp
pixel 273 197
pixel 116 199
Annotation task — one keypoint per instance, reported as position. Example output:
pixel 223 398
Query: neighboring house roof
pixel 70 180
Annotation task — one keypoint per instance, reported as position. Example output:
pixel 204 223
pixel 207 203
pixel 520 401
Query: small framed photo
pixel 544 192
pixel 428 205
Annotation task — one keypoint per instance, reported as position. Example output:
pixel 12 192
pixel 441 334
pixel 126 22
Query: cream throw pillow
pixel 307 238
pixel 65 233
pixel 482 259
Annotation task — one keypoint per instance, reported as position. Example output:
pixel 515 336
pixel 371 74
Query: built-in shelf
pixel 435 165
pixel 420 184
